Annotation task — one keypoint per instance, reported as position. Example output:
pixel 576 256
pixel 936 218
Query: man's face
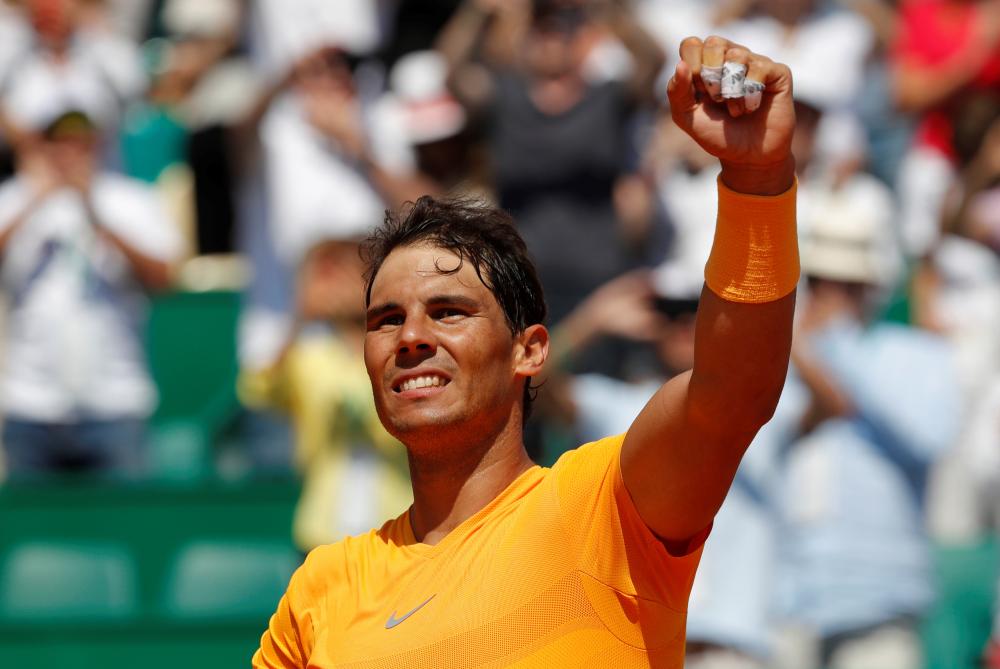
pixel 443 363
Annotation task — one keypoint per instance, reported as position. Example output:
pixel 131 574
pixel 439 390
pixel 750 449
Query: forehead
pixel 424 268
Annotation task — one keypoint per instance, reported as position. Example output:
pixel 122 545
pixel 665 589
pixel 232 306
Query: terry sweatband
pixel 755 255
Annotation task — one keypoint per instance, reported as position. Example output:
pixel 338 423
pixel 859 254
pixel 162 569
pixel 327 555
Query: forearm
pixel 915 415
pixel 397 189
pixel 828 399
pixel 916 89
pixel 744 327
pixel 741 361
pixel 462 35
pixel 155 275
pixel 573 334
pixel 976 178
pixel 646 53
pixel 19 220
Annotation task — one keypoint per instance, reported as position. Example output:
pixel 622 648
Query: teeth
pixel 422 382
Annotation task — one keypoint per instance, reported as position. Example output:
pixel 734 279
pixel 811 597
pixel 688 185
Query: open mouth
pixel 418 382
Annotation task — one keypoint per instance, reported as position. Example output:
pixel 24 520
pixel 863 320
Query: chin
pixel 420 425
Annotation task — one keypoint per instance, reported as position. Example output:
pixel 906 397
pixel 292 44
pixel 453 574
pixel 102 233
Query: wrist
pixel 755 256
pixel 773 179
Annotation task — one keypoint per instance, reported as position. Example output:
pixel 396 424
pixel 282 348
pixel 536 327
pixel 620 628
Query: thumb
pixel 681 93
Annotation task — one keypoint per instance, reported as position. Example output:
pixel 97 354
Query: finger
pixel 713 55
pixel 690 53
pixel 775 82
pixel 734 70
pixel 681 93
pixel 753 86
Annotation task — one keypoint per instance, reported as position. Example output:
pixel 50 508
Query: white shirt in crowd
pixel 74 342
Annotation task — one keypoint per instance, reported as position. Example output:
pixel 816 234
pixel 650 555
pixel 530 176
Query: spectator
pixel 175 136
pixel 945 49
pixel 353 472
pixel 306 171
pixel 80 249
pixel 68 57
pixel 440 159
pixel 556 126
pixel 882 406
pixel 956 294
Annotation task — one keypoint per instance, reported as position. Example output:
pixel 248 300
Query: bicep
pixel 681 454
pixel 676 465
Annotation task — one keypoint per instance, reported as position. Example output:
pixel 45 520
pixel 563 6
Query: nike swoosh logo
pixel 393 620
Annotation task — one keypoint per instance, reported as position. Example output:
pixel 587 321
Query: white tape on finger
pixel 733 76
pixel 711 76
pixel 753 91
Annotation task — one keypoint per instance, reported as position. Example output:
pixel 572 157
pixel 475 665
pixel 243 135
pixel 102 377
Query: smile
pixel 417 382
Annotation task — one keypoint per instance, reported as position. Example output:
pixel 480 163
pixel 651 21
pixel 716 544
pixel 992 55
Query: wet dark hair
pixel 476 233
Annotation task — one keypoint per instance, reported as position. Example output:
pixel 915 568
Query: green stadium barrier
pixel 152 523
pixel 47 583
pixel 228 581
pixel 958 626
pixel 191 343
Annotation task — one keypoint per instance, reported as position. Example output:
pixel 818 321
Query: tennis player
pixel 499 562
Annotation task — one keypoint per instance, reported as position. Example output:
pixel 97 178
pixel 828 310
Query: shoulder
pixel 325 574
pixel 596 455
pixel 124 187
pixel 321 572
pixel 118 195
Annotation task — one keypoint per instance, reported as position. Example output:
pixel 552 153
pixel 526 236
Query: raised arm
pixel 647 55
pixel 461 41
pixel 681 453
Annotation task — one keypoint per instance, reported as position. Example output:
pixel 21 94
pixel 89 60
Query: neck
pixel 449 490
pixel 557 94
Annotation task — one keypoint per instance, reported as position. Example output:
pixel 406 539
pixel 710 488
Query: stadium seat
pixel 50 582
pixel 958 626
pixel 213 580
pixel 180 451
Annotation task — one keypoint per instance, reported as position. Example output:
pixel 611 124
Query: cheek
pixel 372 357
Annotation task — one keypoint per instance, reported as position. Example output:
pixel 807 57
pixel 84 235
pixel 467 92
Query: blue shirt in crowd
pixel 855 552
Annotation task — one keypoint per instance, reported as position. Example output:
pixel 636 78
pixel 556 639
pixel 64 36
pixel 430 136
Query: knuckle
pixel 714 41
pixel 738 53
pixel 690 42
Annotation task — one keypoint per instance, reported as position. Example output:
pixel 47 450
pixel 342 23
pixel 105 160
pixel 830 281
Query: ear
pixel 531 350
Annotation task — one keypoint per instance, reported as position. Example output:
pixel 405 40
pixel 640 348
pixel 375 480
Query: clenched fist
pixel 738 106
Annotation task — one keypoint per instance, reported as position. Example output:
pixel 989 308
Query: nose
pixel 416 336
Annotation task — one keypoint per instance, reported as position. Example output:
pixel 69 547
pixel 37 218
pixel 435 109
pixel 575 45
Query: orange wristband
pixel 755 256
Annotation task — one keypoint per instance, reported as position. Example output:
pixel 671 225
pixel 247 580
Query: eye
pixel 388 320
pixel 449 313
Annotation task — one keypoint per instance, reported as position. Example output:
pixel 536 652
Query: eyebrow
pixel 458 300
pixel 436 300
pixel 381 309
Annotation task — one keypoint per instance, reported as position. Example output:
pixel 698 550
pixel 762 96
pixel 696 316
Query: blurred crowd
pixel 158 145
